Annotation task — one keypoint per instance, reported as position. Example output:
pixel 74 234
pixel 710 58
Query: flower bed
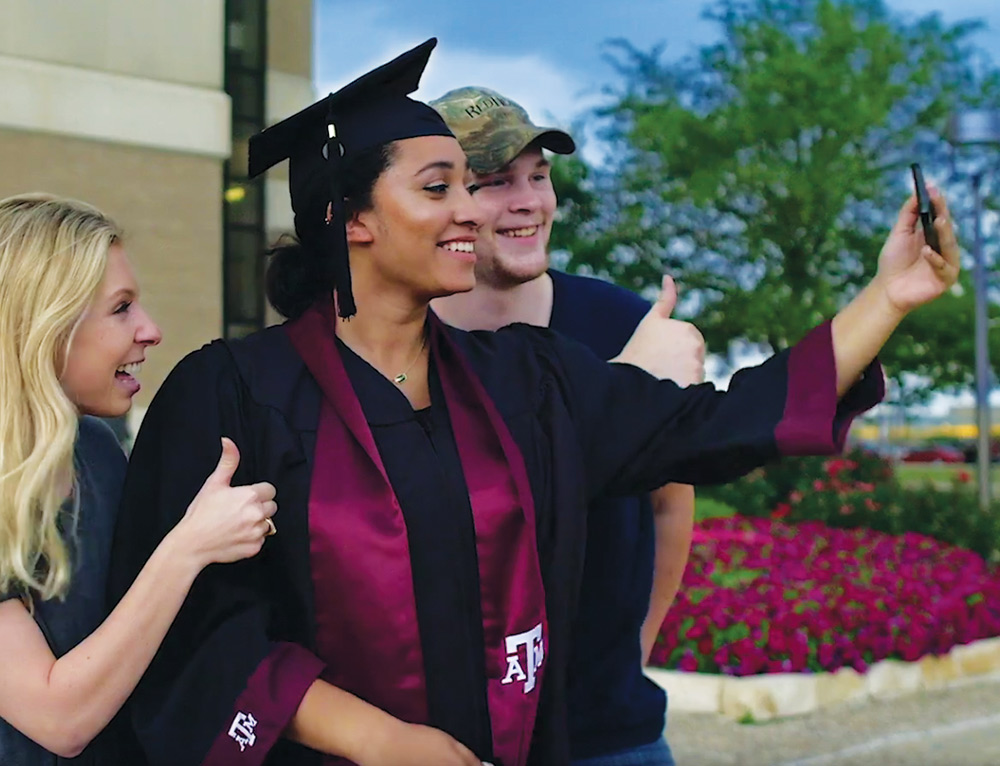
pixel 762 596
pixel 861 490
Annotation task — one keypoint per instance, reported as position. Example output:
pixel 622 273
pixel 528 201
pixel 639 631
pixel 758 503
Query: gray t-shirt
pixel 100 465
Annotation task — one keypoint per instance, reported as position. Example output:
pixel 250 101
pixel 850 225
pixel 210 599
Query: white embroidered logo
pixel 242 730
pixel 531 640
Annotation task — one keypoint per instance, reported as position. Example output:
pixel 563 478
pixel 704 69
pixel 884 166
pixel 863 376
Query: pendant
pixel 400 379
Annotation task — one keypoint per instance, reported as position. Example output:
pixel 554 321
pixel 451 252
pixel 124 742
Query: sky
pixel 548 55
pixel 551 56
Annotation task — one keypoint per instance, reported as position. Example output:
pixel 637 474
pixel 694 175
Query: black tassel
pixel 336 226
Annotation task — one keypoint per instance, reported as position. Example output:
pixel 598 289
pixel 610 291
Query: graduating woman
pixel 414 607
pixel 73 335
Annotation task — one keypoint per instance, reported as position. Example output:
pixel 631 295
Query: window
pixel 243 198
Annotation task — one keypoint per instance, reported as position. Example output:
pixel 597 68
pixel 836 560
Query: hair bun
pixel 296 277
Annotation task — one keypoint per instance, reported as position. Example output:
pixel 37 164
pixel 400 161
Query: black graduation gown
pixel 584 427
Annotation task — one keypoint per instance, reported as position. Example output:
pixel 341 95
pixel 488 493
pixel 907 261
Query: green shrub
pixel 861 489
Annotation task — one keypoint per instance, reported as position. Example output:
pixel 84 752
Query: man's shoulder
pixel 600 292
pixel 601 314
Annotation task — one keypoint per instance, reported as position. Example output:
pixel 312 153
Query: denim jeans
pixel 654 754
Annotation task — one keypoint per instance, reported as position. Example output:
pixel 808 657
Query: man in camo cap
pixel 493 130
pixel 617 715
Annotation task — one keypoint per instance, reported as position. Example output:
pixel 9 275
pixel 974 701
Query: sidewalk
pixel 958 726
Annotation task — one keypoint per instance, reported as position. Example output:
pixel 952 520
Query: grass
pixel 706 508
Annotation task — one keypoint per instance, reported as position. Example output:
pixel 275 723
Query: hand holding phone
pixel 926 209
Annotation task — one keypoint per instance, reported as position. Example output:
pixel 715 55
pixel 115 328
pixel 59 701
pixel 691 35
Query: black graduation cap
pixel 372 110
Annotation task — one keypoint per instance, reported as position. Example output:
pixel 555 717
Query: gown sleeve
pixel 639 433
pixel 219 690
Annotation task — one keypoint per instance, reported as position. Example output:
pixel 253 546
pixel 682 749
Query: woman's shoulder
pixel 101 465
pixel 250 358
pixel 517 338
pixel 533 360
pixel 262 369
pixel 96 442
pixel 514 348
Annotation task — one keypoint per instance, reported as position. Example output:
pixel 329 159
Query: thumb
pixel 668 297
pixel 229 461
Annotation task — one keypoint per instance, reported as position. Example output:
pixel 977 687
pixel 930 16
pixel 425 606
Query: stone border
pixel 776 695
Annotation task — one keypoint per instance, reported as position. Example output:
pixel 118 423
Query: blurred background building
pixel 143 108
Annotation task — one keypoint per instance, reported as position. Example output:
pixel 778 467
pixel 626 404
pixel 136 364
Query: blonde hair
pixel 53 256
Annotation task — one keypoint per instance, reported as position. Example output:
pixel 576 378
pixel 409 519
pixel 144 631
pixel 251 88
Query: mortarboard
pixel 373 109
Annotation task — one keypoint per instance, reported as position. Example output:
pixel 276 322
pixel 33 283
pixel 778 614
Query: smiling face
pixel 520 204
pixel 109 344
pixel 419 237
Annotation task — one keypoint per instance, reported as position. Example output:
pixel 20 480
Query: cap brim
pixel 554 140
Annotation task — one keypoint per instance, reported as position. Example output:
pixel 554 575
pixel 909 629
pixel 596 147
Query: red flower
pixel 781 511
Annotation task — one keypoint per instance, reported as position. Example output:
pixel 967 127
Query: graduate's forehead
pixel 426 154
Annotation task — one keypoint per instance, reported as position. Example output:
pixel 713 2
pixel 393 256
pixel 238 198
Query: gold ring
pixel 271 529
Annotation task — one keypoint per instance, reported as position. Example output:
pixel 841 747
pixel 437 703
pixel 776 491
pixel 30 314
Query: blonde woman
pixel 72 338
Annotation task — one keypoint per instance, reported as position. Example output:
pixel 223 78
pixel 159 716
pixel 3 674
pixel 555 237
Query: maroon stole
pixel 366 614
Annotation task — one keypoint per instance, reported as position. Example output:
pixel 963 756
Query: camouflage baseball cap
pixel 493 130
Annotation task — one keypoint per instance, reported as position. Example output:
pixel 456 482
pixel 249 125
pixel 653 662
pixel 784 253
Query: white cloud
pixel 548 93
pixel 551 95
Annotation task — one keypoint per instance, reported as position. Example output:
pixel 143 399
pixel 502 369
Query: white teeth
pixel 130 369
pixel 528 231
pixel 460 247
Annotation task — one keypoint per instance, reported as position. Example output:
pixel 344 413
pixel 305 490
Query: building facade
pixel 143 108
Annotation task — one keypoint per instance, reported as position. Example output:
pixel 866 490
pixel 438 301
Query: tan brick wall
pixel 169 206
pixel 171 40
pixel 289 36
pixel 289 89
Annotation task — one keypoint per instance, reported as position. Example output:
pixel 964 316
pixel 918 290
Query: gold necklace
pixel 401 378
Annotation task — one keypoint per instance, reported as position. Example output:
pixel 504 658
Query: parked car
pixel 934 453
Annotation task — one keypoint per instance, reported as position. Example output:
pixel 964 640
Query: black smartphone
pixel 926 207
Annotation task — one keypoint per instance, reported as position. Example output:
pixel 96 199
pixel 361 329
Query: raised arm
pixel 910 274
pixel 639 433
pixel 62 704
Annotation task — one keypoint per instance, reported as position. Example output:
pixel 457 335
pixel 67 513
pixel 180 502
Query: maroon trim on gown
pixel 812 400
pixel 264 708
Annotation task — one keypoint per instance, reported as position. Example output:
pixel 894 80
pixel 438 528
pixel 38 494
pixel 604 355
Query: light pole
pixel 980 128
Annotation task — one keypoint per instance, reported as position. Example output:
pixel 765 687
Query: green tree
pixel 764 172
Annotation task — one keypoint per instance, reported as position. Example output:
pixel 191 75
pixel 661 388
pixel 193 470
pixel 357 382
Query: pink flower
pixel 688 663
pixel 761 595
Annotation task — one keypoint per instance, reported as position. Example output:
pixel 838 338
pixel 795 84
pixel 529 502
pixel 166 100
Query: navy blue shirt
pixel 612 705
pixel 100 465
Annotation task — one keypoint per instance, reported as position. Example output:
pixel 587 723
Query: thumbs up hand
pixel 225 523
pixel 664 347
